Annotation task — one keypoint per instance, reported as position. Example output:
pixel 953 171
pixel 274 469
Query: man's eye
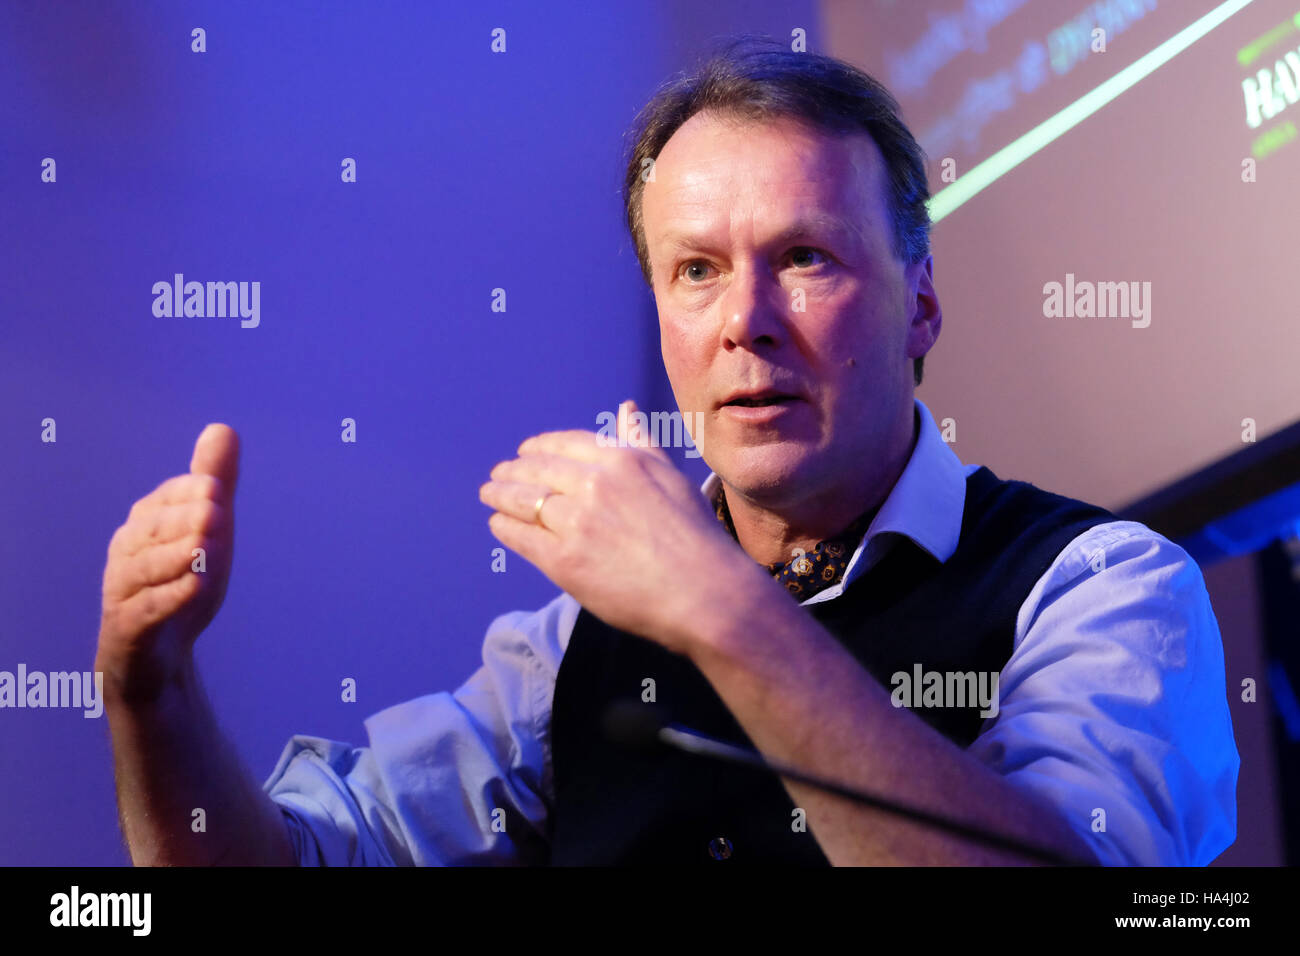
pixel 804 251
pixel 697 264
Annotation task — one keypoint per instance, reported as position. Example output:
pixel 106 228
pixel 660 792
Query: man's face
pixel 784 316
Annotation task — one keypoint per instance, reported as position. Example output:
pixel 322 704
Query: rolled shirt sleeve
pixel 447 779
pixel 1113 705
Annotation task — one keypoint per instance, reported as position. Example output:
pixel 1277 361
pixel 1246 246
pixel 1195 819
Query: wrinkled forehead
pixel 717 168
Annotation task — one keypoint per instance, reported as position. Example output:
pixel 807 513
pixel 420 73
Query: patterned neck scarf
pixel 806 574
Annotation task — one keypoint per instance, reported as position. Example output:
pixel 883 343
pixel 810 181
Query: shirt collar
pixel 925 504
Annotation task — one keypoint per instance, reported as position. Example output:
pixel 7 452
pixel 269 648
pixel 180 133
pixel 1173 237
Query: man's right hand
pixel 155 604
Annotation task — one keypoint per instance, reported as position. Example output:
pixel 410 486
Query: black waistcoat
pixel 615 807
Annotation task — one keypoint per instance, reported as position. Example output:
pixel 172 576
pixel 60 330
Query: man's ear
pixel 925 317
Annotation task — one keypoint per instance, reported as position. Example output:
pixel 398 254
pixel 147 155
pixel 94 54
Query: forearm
pixel 170 760
pixel 804 700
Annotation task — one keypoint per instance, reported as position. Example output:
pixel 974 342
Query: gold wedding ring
pixel 537 508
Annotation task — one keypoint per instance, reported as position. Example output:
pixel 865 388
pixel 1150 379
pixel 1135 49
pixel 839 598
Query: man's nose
pixel 753 308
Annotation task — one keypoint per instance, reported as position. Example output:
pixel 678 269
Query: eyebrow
pixel 807 226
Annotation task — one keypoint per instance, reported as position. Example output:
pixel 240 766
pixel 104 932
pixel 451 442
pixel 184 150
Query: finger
pixel 519 501
pixel 531 542
pixel 216 453
pixel 153 566
pixel 576 444
pixel 153 604
pixel 549 472
pixel 179 490
pixel 582 446
pixel 166 523
pixel 630 432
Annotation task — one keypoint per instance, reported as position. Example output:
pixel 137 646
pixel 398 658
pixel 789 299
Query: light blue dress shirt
pixel 1113 699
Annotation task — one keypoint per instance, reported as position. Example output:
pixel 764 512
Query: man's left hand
pixel 621 530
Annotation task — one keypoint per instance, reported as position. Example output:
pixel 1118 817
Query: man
pixel 777 204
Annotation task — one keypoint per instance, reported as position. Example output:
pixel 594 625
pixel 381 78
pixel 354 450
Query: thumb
pixel 630 432
pixel 627 434
pixel 216 453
